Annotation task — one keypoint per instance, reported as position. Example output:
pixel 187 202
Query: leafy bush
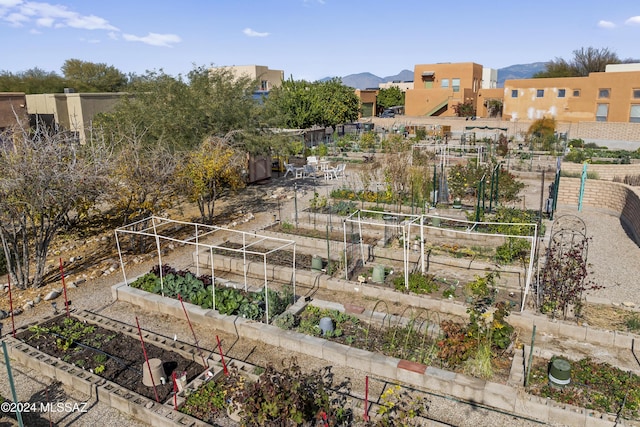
pixel 418 283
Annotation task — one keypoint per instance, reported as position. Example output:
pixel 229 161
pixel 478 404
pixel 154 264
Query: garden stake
pixel 533 340
pixel 12 385
pixel 146 359
pixel 366 398
pixel 64 287
pixel 13 324
pixel 175 391
pixel 224 365
pixel 204 363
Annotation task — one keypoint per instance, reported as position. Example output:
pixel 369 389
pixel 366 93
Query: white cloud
pixel 9 3
pixel 251 33
pixel 634 20
pixel 49 15
pixel 154 39
pixel 113 35
pixel 606 24
pixel 16 19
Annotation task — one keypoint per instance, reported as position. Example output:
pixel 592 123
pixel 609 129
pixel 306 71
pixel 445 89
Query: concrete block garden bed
pixel 119 382
pixel 510 398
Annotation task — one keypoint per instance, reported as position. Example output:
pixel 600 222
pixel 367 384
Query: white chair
pixel 309 170
pixel 312 160
pixel 336 172
pixel 290 169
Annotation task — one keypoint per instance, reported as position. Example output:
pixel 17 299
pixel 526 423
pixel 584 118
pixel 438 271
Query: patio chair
pixel 336 172
pixel 308 170
pixel 290 169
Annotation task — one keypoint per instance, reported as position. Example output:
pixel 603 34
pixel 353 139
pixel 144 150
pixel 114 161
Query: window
pixel 264 85
pixel 636 94
pixel 455 83
pixel 561 93
pixel 444 83
pixel 634 115
pixel 602 112
pixel 576 93
pixel 514 93
pixel 540 93
pixel 603 93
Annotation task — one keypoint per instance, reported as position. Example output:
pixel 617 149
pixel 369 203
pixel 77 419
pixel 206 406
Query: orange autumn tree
pixel 211 171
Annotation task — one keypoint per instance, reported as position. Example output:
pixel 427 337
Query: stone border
pixel 509 398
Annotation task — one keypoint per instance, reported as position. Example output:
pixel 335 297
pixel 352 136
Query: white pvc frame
pixel 203 230
pixel 421 222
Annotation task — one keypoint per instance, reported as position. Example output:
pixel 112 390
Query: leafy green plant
pixel 418 283
pixel 149 283
pixel 285 321
pixel 100 358
pixel 229 300
pixel 633 322
pixel 99 369
pixel 399 408
pixel 286 226
pixel 286 397
pixel 594 385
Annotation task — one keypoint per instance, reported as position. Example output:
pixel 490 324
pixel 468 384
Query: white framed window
pixel 455 84
pixel 444 83
pixel 602 112
pixel 634 114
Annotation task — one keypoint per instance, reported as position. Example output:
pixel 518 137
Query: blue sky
pixel 309 39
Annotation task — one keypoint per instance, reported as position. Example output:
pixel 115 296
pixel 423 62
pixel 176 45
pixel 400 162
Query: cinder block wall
pixel 621 199
pixel 605 172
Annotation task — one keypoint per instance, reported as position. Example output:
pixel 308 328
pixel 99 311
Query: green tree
pixel 542 132
pixel 84 76
pixel 390 97
pixel 181 113
pixel 216 167
pixel 31 81
pixel 584 61
pixel 465 109
pixel 300 104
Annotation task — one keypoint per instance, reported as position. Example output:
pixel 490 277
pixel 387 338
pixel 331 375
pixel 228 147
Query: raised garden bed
pixel 113 355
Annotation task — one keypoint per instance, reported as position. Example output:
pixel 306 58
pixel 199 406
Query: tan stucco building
pixel 610 96
pixel 71 111
pixel 438 88
pixel 267 79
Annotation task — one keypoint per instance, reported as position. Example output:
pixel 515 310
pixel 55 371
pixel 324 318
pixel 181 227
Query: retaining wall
pixel 620 199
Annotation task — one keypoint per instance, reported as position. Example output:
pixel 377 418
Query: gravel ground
pixel 614 256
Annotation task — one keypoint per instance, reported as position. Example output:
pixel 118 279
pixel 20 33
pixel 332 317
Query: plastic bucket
pixel 316 263
pixel 559 373
pixel 326 325
pixel 378 274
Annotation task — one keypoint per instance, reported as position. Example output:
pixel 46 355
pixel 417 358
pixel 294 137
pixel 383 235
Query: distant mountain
pixel 519 71
pixel 370 81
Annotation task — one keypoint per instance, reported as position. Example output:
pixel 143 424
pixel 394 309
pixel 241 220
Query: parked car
pixel 388 113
